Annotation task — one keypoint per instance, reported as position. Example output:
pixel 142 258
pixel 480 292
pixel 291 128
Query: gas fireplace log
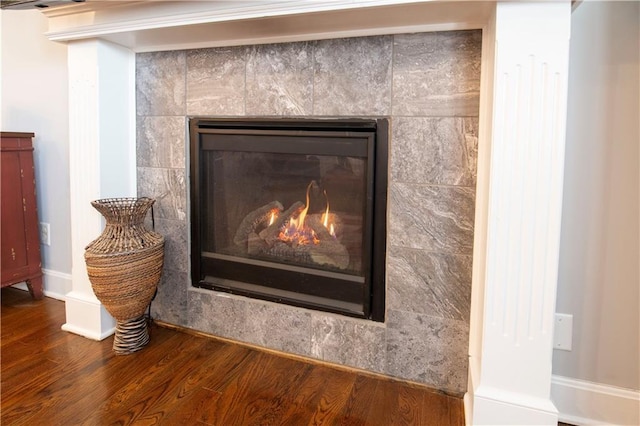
pixel 255 244
pixel 251 221
pixel 314 221
pixel 270 234
pixel 331 253
pixel 285 251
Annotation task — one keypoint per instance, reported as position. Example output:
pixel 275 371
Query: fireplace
pixel 421 339
pixel 292 211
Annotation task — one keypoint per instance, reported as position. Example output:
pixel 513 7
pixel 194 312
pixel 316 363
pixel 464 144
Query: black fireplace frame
pixel 290 284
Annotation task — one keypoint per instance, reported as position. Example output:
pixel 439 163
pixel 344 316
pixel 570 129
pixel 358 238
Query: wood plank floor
pixel 51 377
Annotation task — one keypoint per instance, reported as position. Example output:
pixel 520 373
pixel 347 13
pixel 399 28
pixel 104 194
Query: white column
pixel 102 163
pixel 518 215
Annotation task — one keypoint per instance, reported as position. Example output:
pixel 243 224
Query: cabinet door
pixel 14 247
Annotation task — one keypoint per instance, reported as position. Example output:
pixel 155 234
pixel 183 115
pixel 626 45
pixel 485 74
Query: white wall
pixel 599 276
pixel 35 99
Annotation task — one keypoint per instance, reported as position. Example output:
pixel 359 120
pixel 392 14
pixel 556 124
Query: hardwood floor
pixel 51 377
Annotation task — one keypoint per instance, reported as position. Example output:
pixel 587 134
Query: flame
pixel 272 218
pixel 297 233
pixel 299 222
pixel 325 216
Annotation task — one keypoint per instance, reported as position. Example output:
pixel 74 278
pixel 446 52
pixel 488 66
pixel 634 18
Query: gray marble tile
pixel 216 81
pixel 279 327
pixel 428 350
pixel 430 226
pixel 435 284
pixel 434 150
pixel 170 304
pixel 176 250
pixel 434 218
pixel 161 142
pixel 280 79
pixel 348 341
pixel 353 76
pixel 168 187
pixel 437 74
pixel 160 83
pixel 217 313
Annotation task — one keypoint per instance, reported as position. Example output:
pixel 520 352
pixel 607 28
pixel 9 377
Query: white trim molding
pixel 514 288
pixel 86 316
pixel 156 26
pixel 102 151
pixel 586 403
pixel 55 284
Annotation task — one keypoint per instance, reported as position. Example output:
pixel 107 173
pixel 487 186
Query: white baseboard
pixel 580 402
pixel 487 405
pixel 55 284
pixel 87 317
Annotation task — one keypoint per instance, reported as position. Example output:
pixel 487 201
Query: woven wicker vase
pixel 124 265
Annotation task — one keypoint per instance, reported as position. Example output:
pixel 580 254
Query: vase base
pixel 131 336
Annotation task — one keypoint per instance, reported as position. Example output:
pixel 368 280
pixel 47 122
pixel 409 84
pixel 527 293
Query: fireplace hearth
pixel 292 211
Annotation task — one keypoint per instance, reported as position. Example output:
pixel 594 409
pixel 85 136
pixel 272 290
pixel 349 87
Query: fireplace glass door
pixel 286 211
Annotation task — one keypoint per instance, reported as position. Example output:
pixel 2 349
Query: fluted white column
pixel 518 220
pixel 102 163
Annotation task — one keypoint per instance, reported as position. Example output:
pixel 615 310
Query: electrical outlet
pixel 45 234
pixel 562 332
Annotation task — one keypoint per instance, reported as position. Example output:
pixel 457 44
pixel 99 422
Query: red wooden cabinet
pixel 20 255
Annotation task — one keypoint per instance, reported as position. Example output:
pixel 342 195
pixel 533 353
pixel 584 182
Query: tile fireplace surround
pixel 511 230
pixel 429 86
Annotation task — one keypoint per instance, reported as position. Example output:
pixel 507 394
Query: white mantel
pixel 145 26
pixel 520 161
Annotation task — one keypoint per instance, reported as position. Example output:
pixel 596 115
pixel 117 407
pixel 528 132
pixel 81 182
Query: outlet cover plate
pixel 45 234
pixel 562 334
